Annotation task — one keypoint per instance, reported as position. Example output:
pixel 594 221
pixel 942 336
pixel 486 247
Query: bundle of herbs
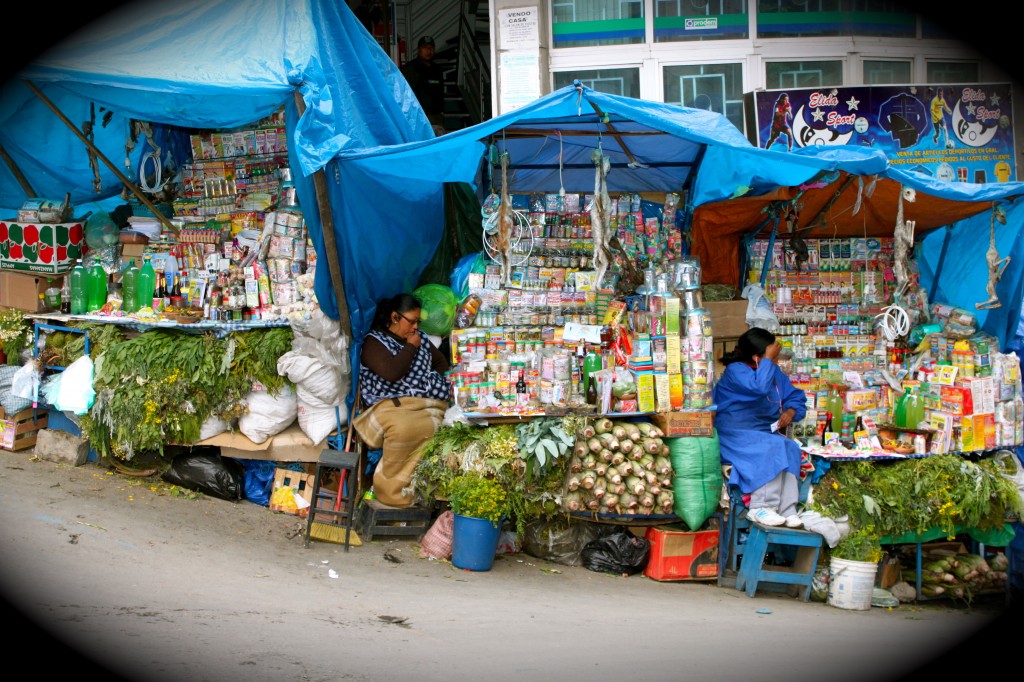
pixel 528 460
pixel 889 499
pixel 159 387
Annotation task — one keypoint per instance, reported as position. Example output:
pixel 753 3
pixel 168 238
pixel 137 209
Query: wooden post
pixel 18 175
pixel 327 230
pixel 88 143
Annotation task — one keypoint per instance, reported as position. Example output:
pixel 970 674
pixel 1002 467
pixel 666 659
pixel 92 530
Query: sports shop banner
pixel 957 133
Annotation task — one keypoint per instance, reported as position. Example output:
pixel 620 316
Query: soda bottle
pixel 96 287
pixel 65 296
pixel 79 297
pixel 591 364
pixel 130 288
pixel 145 284
pixel 914 414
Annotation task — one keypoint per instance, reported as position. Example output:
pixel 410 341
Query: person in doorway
pixel 782 114
pixel 938 118
pixel 405 393
pixel 426 78
pixel 756 403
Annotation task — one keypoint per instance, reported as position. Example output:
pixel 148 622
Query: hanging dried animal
pixel 507 236
pixel 797 245
pixel 996 265
pixel 600 216
pixel 903 244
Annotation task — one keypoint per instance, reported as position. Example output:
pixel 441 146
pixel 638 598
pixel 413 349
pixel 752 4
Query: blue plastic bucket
pixel 474 543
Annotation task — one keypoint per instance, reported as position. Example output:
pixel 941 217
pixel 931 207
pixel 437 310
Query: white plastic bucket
pixel 851 584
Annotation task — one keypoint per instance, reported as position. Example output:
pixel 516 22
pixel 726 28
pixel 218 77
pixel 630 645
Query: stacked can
pixel 698 364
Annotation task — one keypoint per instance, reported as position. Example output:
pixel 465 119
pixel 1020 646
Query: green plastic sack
pixel 697 478
pixel 438 311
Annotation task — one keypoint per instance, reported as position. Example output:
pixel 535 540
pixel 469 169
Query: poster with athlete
pixel 957 133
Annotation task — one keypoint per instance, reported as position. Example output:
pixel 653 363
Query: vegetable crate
pixel 49 248
pixel 679 554
pixel 301 483
pixel 19 431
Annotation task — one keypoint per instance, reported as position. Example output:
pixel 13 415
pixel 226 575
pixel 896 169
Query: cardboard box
pixel 728 318
pixel 645 392
pixel 135 251
pixel 21 290
pixel 685 423
pixel 679 554
pixel 44 247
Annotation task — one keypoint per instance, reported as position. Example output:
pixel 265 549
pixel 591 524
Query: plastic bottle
pixel 96 287
pixel 65 296
pixel 145 284
pixel 914 414
pixel 79 297
pixel 834 405
pixel 591 364
pixel 899 410
pixel 466 314
pixel 130 288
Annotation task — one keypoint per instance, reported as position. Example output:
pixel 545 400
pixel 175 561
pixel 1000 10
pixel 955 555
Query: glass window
pixel 579 23
pixel 885 72
pixel 625 82
pixel 792 18
pixel 677 20
pixel 805 74
pixel 952 72
pixel 716 87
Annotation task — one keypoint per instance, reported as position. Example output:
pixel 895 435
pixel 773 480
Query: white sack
pixel 269 414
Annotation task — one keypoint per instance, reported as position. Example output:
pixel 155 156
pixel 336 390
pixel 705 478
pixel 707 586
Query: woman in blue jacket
pixel 755 403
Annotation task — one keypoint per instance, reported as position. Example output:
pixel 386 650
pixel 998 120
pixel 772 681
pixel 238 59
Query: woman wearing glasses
pixel 404 392
pixel 755 403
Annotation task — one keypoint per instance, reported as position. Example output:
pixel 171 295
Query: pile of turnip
pixel 962 576
pixel 619 467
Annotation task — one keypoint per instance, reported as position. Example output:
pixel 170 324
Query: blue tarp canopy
pixel 221 64
pixel 847 199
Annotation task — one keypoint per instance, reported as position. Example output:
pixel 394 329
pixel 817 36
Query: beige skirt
pixel 400 430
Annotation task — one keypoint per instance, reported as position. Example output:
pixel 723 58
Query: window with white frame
pixel 887 72
pixel 582 23
pixel 803 74
pixel 952 72
pixel 624 82
pixel 715 87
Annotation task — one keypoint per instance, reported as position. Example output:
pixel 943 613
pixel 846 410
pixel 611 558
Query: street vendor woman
pixel 404 393
pixel 755 403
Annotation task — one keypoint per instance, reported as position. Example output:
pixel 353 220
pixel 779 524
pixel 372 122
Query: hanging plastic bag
pixel 459 278
pixel 76 393
pixel 25 382
pixel 759 308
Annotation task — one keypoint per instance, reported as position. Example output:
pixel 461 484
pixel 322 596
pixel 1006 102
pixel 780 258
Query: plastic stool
pixel 328 503
pixel 731 540
pixel 753 570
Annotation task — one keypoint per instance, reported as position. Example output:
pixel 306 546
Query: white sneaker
pixel 766 517
pixel 793 521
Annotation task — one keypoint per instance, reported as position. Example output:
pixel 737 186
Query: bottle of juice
pixel 96 286
pixel 591 364
pixel 834 405
pixel 130 288
pixel 79 295
pixel 145 284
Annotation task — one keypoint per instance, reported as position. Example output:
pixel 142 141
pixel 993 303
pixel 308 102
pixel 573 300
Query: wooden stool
pixel 328 503
pixel 753 570
pixel 374 518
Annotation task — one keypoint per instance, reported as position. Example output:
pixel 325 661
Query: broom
pixel 332 532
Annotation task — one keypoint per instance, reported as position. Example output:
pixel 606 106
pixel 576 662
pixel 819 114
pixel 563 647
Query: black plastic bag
pixel 621 553
pixel 208 473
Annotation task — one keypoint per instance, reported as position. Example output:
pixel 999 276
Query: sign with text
pixel 956 133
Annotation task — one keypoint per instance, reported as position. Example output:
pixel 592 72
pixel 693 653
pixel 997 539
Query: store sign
pixel 701 23
pixel 956 133
pixel 518 28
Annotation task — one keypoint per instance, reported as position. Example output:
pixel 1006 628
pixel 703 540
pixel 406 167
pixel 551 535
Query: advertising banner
pixel 957 133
